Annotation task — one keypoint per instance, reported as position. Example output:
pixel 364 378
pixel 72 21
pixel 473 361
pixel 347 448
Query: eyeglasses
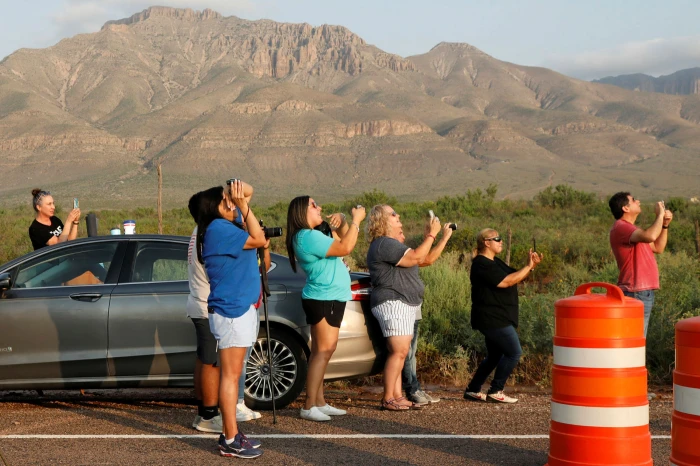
pixel 497 239
pixel 314 205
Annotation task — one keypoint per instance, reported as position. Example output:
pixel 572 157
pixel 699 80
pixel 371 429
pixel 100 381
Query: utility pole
pixel 160 200
pixel 510 237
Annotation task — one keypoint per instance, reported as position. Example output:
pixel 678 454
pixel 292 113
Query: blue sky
pixel 589 39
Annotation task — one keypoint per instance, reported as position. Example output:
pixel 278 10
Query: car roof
pixel 104 238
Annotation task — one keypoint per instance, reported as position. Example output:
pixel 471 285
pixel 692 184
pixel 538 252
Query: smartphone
pixel 75 203
pixel 534 244
pixel 432 215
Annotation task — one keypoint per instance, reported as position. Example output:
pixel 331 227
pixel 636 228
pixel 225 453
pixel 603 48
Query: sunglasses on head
pixel 497 239
pixel 40 195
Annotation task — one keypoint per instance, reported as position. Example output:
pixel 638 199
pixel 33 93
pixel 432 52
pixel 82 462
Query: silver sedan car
pixel 109 312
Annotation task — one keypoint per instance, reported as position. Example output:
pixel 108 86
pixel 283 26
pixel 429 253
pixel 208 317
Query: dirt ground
pixel 127 427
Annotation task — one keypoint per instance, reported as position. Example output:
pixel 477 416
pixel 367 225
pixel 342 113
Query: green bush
pixel 571 229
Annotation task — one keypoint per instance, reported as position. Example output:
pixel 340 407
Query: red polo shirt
pixel 636 261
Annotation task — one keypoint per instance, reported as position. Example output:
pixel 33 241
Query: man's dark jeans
pixel 647 298
pixel 409 377
pixel 503 353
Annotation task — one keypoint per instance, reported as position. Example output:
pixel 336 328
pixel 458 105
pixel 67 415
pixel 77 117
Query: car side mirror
pixel 5 282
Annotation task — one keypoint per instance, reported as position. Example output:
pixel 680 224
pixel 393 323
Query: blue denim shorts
pixel 238 332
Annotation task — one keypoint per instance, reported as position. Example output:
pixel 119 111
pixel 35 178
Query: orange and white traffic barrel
pixel 600 411
pixel 685 423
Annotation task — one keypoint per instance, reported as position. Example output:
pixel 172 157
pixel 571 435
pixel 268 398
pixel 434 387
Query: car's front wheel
pixel 289 366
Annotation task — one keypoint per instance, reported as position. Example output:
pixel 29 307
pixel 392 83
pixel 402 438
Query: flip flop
pixel 392 405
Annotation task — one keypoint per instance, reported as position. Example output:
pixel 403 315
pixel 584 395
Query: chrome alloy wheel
pixel 257 379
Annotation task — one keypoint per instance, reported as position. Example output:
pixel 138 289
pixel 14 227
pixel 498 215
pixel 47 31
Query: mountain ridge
pixel 683 82
pixel 298 108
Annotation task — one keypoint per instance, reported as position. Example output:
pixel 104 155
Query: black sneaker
pixel 253 442
pixel 241 447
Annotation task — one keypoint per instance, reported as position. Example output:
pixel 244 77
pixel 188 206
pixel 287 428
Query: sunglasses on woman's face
pixel 313 204
pixel 497 239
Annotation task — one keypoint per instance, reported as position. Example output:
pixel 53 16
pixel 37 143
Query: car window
pixel 160 262
pixel 74 266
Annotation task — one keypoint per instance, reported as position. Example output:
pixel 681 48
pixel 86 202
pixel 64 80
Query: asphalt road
pixel 128 427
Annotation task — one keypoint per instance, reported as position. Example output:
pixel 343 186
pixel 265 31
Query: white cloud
pixel 79 16
pixel 654 57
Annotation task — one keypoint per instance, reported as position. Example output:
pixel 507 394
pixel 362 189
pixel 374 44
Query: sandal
pixel 411 406
pixel 392 405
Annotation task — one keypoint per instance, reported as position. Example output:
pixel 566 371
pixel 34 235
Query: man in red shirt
pixel 634 249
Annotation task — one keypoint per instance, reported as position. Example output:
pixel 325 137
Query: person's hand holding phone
pixel 447 230
pixel 534 259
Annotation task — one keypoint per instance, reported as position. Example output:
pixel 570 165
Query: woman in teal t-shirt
pixel 326 291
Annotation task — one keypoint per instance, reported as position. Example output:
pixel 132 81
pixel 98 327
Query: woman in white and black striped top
pixel 397 292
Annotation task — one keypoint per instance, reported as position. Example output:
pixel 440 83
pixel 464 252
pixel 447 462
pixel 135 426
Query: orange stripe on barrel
pixel 599 328
pixel 576 445
pixel 688 359
pixel 685 439
pixel 599 387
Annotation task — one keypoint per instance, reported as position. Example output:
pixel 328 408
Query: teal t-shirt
pixel 327 278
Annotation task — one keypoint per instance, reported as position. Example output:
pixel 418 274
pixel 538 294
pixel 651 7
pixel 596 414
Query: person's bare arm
pixel 344 246
pixel 256 235
pixel 266 256
pixel 659 245
pixel 416 256
pixel 436 251
pixel 651 234
pixel 339 224
pixel 70 231
pixel 518 276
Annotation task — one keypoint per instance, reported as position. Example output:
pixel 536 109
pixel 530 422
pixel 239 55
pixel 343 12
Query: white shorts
pixel 238 332
pixel 395 317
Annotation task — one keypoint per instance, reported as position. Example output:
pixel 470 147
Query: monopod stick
pixel 265 294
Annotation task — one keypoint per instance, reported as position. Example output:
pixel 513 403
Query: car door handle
pixel 89 297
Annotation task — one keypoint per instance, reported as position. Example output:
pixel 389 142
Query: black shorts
pixel 332 311
pixel 206 343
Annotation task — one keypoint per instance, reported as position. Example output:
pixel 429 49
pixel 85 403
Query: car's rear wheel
pixel 289 367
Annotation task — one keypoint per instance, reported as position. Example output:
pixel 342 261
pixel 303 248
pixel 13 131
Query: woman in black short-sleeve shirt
pixel 47 229
pixel 495 315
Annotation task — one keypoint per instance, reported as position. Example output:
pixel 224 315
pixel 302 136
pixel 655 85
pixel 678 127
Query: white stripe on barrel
pixel 600 358
pixel 586 416
pixel 686 400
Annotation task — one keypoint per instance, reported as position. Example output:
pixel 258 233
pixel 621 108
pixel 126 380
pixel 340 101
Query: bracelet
pixel 665 227
pixel 78 223
pixel 356 226
pixel 431 236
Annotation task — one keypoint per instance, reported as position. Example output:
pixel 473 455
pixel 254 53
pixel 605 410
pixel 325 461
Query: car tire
pixel 290 367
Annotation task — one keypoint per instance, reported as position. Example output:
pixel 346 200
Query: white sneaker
pixel 244 413
pixel 213 425
pixel 501 397
pixel 329 410
pixel 197 418
pixel 313 414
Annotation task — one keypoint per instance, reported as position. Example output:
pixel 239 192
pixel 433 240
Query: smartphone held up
pixel 453 226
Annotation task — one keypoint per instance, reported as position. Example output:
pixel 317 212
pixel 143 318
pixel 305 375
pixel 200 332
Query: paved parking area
pixel 129 427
